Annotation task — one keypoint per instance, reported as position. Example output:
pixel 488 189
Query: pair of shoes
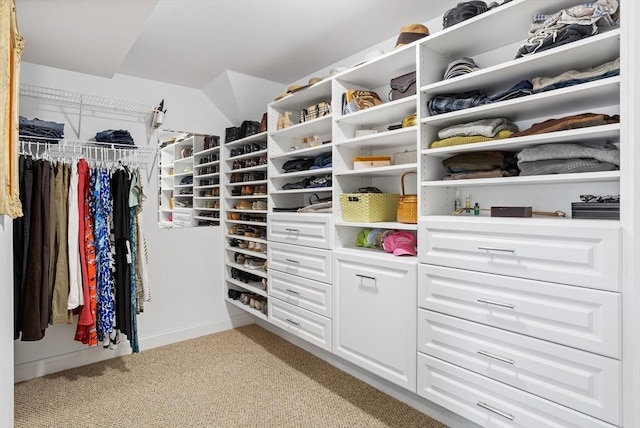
pixel 259 205
pixel 233 216
pixel 247 190
pixel 260 190
pixel 253 263
pixel 244 205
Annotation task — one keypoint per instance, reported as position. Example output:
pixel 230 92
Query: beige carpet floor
pixel 246 377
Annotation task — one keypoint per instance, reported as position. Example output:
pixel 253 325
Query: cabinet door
pixel 305 293
pixel 583 381
pixel 375 316
pixel 574 316
pixel 306 325
pixel 311 230
pixel 492 404
pixel 584 253
pixel 306 262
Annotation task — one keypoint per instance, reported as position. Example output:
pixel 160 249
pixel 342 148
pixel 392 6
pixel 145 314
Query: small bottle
pixel 457 203
pixel 467 203
pixel 476 209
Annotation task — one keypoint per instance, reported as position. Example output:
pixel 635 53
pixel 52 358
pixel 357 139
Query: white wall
pixel 6 321
pixel 186 266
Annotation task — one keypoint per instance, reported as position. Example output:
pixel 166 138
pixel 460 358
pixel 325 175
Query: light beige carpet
pixel 247 377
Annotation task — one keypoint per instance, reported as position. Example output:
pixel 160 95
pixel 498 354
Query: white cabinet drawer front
pixel 306 262
pixel 305 293
pixel 583 381
pixel 584 253
pixel 300 229
pixel 375 317
pixel 579 317
pixel 306 325
pixel 492 404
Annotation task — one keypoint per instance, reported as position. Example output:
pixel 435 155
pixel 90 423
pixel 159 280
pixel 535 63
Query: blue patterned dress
pixel 101 205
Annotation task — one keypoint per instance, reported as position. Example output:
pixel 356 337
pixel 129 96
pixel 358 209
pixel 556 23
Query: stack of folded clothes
pixel 40 130
pixel 568 25
pixel 569 122
pixel 575 77
pixel 566 158
pixel 475 132
pixel 112 136
pixel 487 164
pixel 460 67
pixel 445 103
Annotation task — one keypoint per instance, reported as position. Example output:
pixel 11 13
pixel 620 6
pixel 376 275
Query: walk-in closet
pixel 365 213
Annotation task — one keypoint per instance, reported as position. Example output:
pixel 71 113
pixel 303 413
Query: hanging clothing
pixel 60 294
pixel 75 276
pixel 121 230
pixel 31 326
pixel 86 330
pixel 101 209
pixel 21 232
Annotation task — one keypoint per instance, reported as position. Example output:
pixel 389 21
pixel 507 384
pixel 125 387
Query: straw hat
pixel 295 88
pixel 410 33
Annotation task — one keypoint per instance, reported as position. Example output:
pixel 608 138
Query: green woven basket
pixel 369 207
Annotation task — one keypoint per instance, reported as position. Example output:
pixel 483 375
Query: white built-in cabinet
pixel 503 321
pixel 519 319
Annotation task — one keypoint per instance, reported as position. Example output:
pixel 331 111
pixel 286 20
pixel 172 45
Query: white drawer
pixel 305 293
pixel 306 262
pixel 306 325
pixel 578 252
pixel 492 404
pixel 579 317
pixel 312 230
pixel 583 381
pixel 374 315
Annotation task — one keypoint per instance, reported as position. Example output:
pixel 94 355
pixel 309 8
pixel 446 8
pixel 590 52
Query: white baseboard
pixel 423 405
pixel 33 369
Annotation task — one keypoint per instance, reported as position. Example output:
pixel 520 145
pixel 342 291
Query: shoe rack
pixel 244 195
pixel 189 179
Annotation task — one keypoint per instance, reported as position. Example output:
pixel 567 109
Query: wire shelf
pixel 58 95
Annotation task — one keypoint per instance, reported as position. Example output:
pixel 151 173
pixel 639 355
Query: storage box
pixel 408 156
pixel 369 207
pixel 363 162
pixel 596 210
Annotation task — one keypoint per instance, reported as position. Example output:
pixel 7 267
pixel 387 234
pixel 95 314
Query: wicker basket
pixel 368 207
pixel 407 205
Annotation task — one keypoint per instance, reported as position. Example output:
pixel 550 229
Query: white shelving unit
pixel 189 179
pixel 244 197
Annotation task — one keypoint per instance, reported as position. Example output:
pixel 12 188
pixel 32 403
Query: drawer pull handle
pixel 293 230
pixel 496 411
pixel 292 291
pixel 504 250
pixel 367 277
pixel 292 261
pixel 496 357
pixel 290 321
pixel 502 305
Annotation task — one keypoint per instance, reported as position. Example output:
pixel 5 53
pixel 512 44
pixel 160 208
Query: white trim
pixel 6 321
pixel 630 207
pixel 86 356
pixel 433 410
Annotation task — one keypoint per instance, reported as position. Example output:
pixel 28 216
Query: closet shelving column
pixel 374 290
pixel 206 181
pixel 299 273
pixel 509 307
pixel 244 195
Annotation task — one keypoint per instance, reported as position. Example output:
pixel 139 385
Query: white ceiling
pixel 191 42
